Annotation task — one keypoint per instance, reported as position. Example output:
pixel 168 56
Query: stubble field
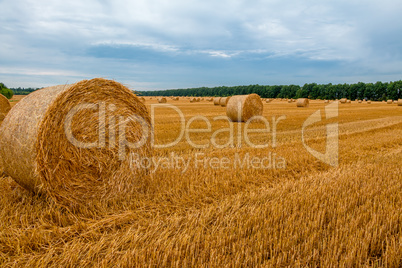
pixel 203 205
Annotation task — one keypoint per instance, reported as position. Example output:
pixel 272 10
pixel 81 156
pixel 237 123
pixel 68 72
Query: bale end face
pixel 241 108
pixel 303 102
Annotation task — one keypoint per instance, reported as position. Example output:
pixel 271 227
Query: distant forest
pixel 369 91
pixel 23 91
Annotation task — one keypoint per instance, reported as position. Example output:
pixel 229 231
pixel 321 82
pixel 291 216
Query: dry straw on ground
pixel 241 108
pixel 162 100
pixel 224 101
pixel 217 101
pixel 302 102
pixel 43 141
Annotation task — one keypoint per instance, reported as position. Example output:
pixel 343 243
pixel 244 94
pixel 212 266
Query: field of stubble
pixel 233 206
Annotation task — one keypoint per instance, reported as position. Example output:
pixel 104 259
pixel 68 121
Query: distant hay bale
pixel 326 101
pixel 193 100
pixel 198 99
pixel 142 99
pixel 4 106
pixel 290 101
pixel 343 100
pixel 348 101
pixel 241 108
pixel 60 141
pixel 224 101
pixel 268 100
pixel 302 102
pixel 217 101
pixel 359 101
pixel 400 102
pixel 162 100
pixel 369 102
pixel 390 101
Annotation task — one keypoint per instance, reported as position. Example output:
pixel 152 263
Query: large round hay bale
pixel 224 101
pixel 75 142
pixel 390 101
pixel 193 100
pixel 399 102
pixel 302 102
pixel 343 100
pixel 162 100
pixel 217 101
pixel 241 108
pixel 4 105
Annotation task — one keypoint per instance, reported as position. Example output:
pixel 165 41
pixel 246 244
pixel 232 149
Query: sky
pixel 168 44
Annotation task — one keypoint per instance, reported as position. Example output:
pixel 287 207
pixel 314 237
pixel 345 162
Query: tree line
pixel 369 91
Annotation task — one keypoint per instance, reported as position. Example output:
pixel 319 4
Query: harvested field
pixel 291 210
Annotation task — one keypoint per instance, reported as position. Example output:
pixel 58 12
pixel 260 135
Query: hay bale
pixel 390 101
pixel 193 100
pixel 217 101
pixel 343 100
pixel 302 102
pixel 241 108
pixel 369 102
pixel 142 99
pixel 359 101
pixel 348 101
pixel 162 100
pixel 2 116
pixel 399 102
pixel 5 106
pixel 224 101
pixel 268 100
pixel 60 141
pixel 198 99
pixel 326 101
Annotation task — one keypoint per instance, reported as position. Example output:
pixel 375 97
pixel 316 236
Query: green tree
pixel 8 93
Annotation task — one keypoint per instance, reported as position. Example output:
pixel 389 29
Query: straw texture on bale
pixel 399 102
pixel 343 100
pixel 241 108
pixel 162 100
pixel 224 101
pixel 4 107
pixel 302 102
pixel 217 101
pixel 37 151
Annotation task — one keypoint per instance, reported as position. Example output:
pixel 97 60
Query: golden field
pixel 296 212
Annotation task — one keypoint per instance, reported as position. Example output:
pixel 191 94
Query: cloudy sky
pixel 162 44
